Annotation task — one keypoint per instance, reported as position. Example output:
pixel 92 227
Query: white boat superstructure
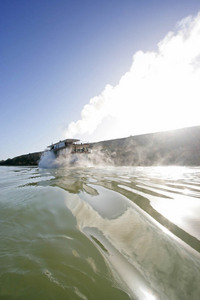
pixel 70 146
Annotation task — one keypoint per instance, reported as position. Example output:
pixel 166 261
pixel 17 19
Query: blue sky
pixel 56 55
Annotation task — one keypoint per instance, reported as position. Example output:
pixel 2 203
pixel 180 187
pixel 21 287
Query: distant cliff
pixel 176 147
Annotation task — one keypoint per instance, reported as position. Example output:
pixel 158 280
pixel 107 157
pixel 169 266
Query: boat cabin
pixel 72 145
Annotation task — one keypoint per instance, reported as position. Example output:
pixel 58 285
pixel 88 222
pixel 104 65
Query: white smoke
pixel 159 92
pixel 48 160
pixel 66 159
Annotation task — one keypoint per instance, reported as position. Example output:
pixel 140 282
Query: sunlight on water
pixel 94 233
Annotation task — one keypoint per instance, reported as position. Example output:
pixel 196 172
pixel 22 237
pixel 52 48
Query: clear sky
pixel 57 57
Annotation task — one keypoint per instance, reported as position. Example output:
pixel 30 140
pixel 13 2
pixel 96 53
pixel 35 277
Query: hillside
pixel 177 147
pixel 30 159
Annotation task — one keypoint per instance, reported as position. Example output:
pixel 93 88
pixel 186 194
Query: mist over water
pixel 65 159
pixel 100 233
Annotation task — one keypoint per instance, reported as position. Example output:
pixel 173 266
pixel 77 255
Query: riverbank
pixel 175 147
pixel 31 159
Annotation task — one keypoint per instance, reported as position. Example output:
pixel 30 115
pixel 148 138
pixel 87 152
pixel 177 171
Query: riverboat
pixel 72 146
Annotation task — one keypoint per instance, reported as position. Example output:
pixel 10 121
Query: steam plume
pixel 159 92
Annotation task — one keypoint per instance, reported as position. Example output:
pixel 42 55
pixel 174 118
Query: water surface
pixel 100 233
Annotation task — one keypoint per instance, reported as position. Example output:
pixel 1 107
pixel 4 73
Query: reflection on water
pixel 89 233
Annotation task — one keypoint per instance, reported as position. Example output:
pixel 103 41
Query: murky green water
pixel 100 233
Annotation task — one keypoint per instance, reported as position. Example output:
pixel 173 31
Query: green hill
pixel 30 159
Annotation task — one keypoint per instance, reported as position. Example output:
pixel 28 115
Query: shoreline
pixel 175 147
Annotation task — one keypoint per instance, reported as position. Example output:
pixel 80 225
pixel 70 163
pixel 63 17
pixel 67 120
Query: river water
pixel 100 233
